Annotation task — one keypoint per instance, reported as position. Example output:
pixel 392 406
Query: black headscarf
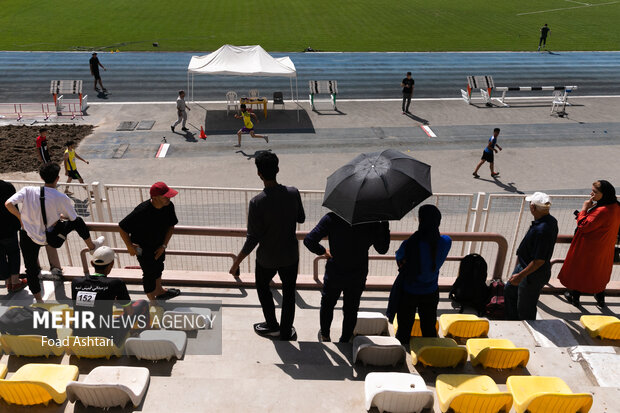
pixel 608 191
pixel 428 231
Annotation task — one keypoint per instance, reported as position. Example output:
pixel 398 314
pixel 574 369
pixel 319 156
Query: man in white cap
pixel 533 268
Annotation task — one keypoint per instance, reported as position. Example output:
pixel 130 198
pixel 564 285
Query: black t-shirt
pixel 9 224
pixel 539 242
pixel 94 64
pixel 408 85
pixel 544 31
pixel 148 225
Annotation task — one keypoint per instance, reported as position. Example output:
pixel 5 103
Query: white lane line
pixel 578 2
pixel 428 131
pixel 568 8
pixel 163 150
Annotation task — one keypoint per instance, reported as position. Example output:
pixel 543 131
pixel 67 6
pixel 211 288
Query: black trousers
pixel 288 276
pixel 542 41
pixel 406 101
pixel 351 287
pixel 30 251
pixel 152 268
pixel 426 306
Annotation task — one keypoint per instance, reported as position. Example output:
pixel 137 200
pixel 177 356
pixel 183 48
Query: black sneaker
pixel 292 336
pixel 184 129
pixel 171 293
pixel 172 128
pixel 325 338
pixel 262 329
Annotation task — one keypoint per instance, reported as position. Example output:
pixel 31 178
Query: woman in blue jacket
pixel 416 288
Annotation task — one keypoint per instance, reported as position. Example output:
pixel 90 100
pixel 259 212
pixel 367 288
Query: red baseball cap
pixel 161 189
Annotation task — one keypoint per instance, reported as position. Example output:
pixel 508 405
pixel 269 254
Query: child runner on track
pixel 248 126
pixel 487 155
pixel 70 167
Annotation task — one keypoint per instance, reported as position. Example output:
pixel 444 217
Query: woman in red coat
pixel 588 265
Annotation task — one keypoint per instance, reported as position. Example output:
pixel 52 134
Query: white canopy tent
pixel 242 61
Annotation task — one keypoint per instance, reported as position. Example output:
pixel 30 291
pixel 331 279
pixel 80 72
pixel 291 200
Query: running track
pixel 25 76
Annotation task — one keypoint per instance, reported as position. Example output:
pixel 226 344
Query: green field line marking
pixel 568 8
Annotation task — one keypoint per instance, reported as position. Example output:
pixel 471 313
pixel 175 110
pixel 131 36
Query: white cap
pixel 539 199
pixel 103 256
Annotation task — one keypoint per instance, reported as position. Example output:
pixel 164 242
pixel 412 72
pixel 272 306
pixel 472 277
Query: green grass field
pixel 292 25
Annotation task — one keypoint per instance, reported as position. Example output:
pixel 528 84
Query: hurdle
pixel 323 87
pixel 76 106
pixel 21 110
pixel 486 85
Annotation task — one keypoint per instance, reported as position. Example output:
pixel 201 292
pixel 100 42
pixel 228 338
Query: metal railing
pixel 498 266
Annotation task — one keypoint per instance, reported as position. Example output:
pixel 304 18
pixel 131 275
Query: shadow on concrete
pixel 429 374
pixel 508 187
pixel 556 331
pixel 332 112
pixel 251 156
pixel 278 121
pixel 417 118
pixel 156 368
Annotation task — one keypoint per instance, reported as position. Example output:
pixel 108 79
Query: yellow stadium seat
pixel 29 346
pixel 416 331
pixel 603 326
pixel 497 353
pixel 55 307
pixel 93 347
pixel 536 394
pixel 3 370
pixel 465 393
pixel 463 325
pixel 437 352
pixel 38 383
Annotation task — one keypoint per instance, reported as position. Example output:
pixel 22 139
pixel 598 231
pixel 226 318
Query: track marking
pixel 163 150
pixel 428 131
pixel 568 8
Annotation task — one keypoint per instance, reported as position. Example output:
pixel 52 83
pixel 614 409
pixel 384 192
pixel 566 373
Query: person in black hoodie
pixel 347 266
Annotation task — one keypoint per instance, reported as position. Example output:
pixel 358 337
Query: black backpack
pixel 20 321
pixel 470 288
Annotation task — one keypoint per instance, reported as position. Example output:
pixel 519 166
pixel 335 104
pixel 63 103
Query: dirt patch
pixel 18 145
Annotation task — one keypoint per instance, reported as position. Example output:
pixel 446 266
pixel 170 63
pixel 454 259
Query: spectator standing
pixel 42 151
pixel 146 232
pixel 182 109
pixel 70 167
pixel 9 246
pixel 589 261
pixel 416 287
pixel 347 266
pixel 94 70
pixel 533 268
pixel 544 32
pixel 57 206
pixel 488 156
pixel 272 219
pixel 248 126
pixel 407 84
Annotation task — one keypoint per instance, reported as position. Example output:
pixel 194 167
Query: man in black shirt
pixel 407 85
pixel 533 269
pixel 347 266
pixel 97 293
pixel 94 70
pixel 544 31
pixel 272 220
pixel 146 232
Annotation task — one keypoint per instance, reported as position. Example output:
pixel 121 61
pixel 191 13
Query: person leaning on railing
pixel 146 232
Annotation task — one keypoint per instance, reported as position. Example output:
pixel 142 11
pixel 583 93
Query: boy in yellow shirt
pixel 70 168
pixel 248 126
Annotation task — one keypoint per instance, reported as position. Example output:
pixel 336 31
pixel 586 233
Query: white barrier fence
pixel 506 214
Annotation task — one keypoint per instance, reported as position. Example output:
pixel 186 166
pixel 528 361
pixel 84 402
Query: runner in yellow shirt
pixel 248 126
pixel 70 168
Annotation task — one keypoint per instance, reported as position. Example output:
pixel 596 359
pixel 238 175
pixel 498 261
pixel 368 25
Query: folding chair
pixel 231 101
pixel 278 99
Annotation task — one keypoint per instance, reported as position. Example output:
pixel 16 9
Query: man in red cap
pixel 146 232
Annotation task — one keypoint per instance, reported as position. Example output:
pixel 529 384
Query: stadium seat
pixel 92 351
pixel 378 350
pixel 157 345
pixel 187 319
pixel 397 392
pixel 370 324
pixel 3 370
pixel 497 353
pixel 55 307
pixel 416 331
pixel 603 326
pixel 535 394
pixel 108 386
pixel 437 352
pixel 466 393
pixel 38 383
pixel 463 325
pixel 29 346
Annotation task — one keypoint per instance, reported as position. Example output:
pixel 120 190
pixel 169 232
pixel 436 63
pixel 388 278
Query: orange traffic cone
pixel 203 135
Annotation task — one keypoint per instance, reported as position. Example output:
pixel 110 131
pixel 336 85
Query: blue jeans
pixel 520 301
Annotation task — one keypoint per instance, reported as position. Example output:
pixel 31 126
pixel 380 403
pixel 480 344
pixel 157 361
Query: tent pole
pixel 188 91
pixel 297 101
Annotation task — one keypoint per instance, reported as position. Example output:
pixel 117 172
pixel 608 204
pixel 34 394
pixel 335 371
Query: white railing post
pixel 478 211
pixel 95 188
pixel 513 242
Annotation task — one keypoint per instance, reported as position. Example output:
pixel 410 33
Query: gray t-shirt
pixel 180 104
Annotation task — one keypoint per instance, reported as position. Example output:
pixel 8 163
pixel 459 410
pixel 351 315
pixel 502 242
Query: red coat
pixel 590 258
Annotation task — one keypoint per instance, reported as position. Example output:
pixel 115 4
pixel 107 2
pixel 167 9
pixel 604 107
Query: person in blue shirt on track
pixel 487 155
pixel 416 287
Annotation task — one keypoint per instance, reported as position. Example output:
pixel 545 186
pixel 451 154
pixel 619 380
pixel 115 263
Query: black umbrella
pixel 378 186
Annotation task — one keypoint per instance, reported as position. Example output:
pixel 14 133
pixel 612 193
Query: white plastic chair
pixel 397 392
pixel 558 101
pixel 231 101
pixel 253 94
pixel 110 386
